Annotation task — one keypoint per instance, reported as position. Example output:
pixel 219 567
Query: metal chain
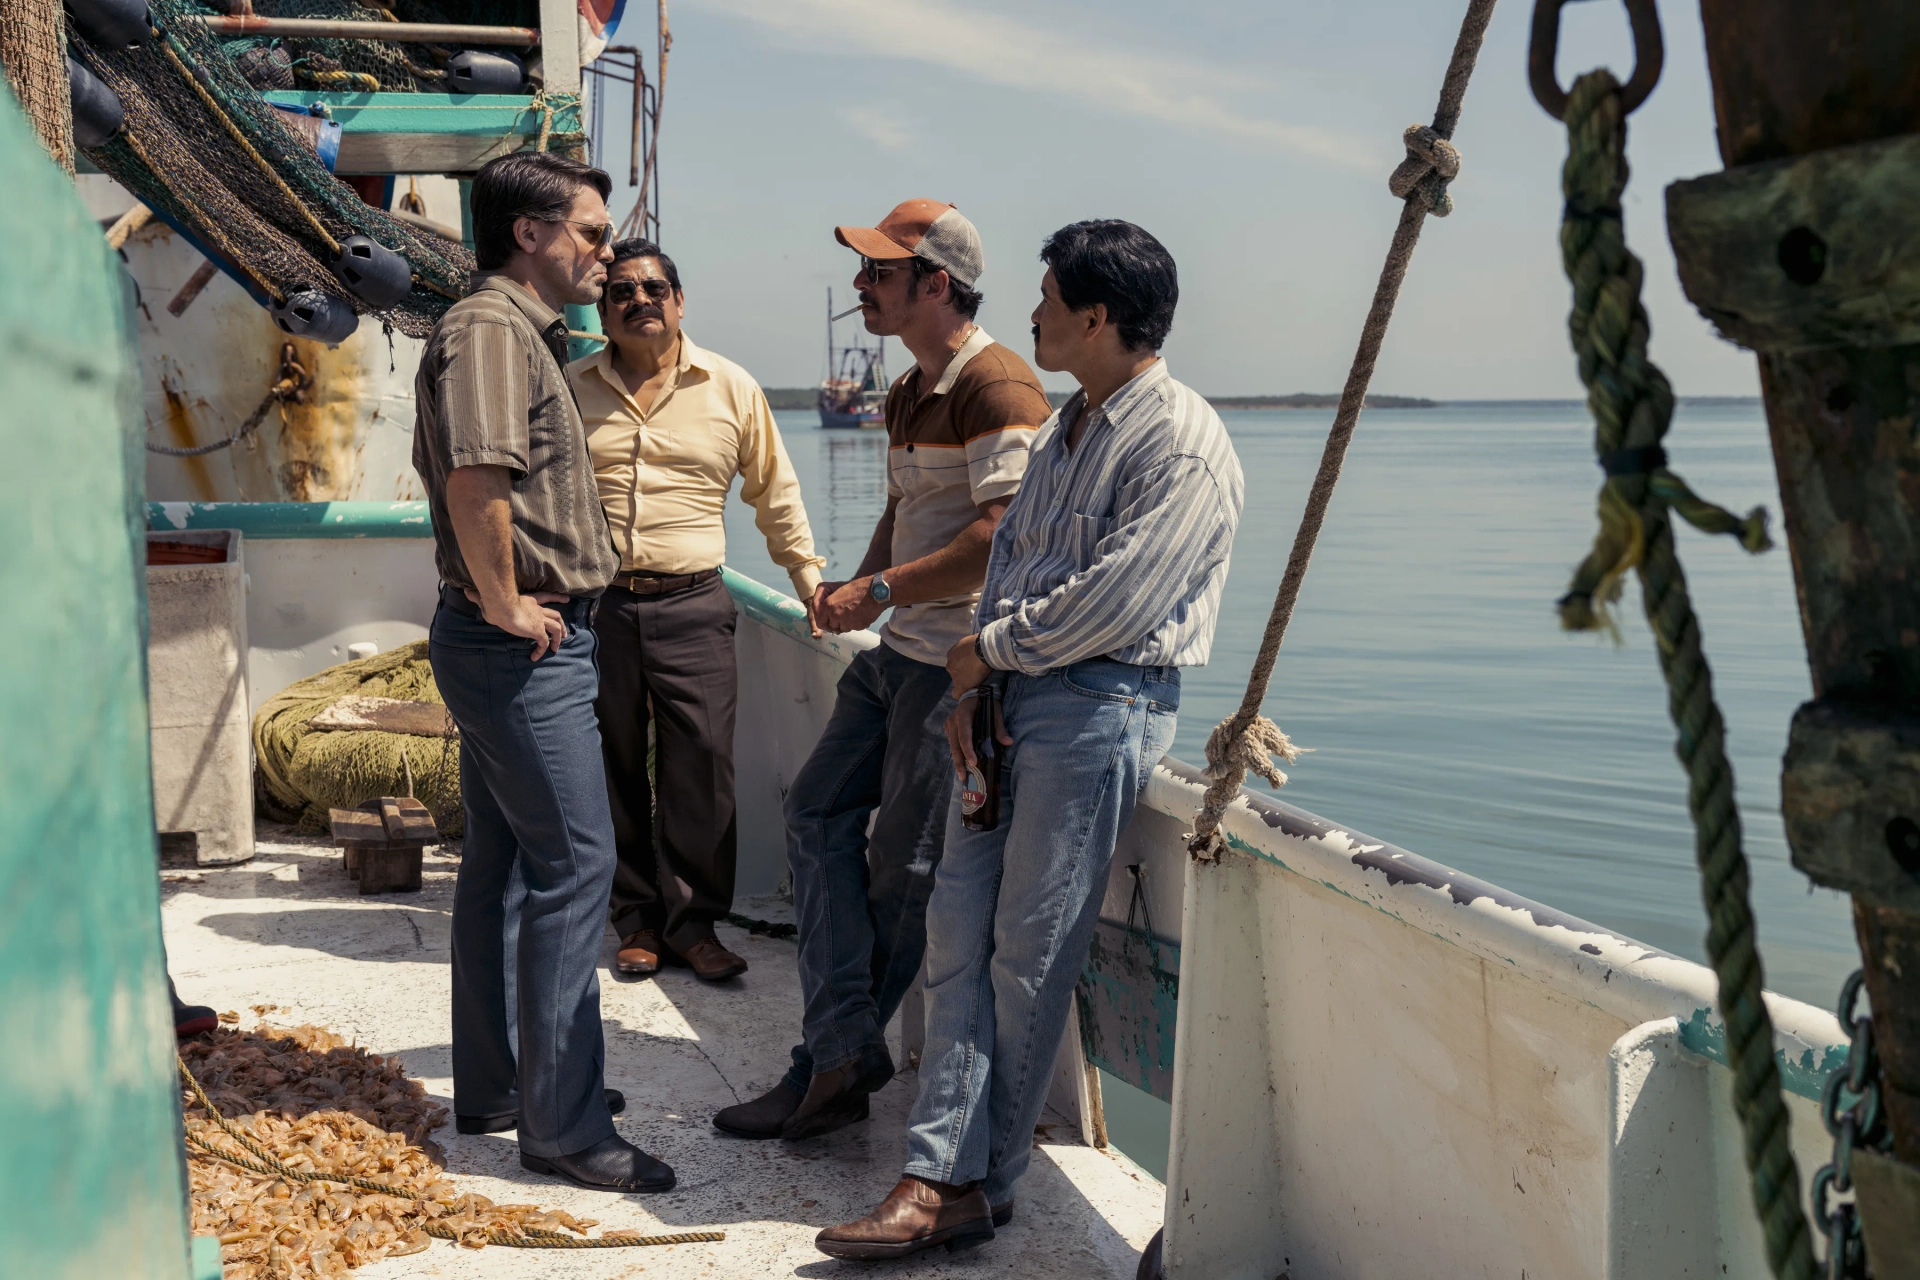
pixel 1859 1124
pixel 292 384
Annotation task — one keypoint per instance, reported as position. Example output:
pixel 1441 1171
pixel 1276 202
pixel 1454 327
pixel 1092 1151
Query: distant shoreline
pixel 793 399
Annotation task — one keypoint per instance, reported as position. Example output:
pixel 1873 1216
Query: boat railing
pixel 1376 1064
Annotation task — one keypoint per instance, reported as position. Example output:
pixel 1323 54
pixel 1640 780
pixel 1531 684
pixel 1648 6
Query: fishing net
pixel 366 66
pixel 202 147
pixel 303 771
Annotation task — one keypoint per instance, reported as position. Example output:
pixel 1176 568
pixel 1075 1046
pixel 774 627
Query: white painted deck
pixel 290 929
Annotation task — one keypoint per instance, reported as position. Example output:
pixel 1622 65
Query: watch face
pixel 879 589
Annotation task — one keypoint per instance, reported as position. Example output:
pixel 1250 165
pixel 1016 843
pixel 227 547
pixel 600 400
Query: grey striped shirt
pixel 492 391
pixel 1116 548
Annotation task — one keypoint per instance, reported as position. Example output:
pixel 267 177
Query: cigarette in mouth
pixel 849 311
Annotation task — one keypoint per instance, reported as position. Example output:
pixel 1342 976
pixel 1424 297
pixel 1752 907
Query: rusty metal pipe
pixel 391 32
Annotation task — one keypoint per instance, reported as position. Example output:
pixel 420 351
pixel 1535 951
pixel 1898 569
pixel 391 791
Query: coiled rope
pixel 528 1238
pixel 1246 740
pixel 1632 405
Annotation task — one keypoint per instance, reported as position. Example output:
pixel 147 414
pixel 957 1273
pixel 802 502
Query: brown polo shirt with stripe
pixel 951 448
pixel 492 391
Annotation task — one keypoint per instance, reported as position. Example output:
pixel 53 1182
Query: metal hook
pixel 1649 52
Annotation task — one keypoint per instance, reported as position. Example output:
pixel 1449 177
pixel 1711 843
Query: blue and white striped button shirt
pixel 1118 547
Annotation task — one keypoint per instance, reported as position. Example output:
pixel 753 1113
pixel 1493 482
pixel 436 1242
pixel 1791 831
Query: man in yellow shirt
pixel 669 427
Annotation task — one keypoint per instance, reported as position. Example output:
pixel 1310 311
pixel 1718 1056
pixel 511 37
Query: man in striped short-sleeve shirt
pixel 1104 580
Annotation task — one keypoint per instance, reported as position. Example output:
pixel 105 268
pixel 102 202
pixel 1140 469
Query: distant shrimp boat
pixel 854 393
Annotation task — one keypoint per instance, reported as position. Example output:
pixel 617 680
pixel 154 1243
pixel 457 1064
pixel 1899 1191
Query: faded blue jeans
pixel 1013 911
pixel 860 900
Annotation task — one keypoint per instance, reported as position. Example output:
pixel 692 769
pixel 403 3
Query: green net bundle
pixel 203 147
pixel 302 772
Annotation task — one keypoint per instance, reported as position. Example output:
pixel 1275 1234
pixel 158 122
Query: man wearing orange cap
pixel 959 424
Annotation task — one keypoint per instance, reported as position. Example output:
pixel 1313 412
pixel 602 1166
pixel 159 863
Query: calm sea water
pixel 1447 711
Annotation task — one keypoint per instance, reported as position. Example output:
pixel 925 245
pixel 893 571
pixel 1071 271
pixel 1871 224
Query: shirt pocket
pixel 1084 534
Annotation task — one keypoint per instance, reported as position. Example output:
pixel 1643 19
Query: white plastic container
pixel 197 675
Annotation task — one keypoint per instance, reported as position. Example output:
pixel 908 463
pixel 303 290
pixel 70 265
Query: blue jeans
pixel 535 795
pixel 1013 911
pixel 860 902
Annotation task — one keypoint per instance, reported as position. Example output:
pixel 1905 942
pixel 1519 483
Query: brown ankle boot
pixel 916 1215
pixel 834 1100
pixel 761 1118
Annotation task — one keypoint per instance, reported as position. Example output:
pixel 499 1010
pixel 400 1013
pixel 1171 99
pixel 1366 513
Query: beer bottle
pixel 980 793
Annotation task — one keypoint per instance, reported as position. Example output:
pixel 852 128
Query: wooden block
pixel 352 856
pixel 357 826
pixel 418 820
pixel 390 819
pixel 389 870
pixel 359 712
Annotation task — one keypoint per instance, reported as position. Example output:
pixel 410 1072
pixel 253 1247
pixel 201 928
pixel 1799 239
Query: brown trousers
pixel 675 838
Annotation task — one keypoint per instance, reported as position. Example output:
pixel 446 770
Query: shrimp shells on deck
pixel 320 1105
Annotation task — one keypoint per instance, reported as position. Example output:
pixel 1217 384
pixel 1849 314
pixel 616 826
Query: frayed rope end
pixel 1253 750
pixel 1753 531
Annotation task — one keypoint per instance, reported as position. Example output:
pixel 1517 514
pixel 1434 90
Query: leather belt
pixel 653 584
pixel 577 609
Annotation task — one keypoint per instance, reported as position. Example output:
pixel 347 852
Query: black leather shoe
pixel 616 1103
pixel 764 1117
pixel 612 1164
pixel 1002 1214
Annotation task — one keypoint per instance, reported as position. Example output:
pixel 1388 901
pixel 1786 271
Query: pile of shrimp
pixel 320 1105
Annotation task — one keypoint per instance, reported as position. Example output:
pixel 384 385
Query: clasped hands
pixel 844 606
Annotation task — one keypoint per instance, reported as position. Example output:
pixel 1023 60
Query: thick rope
pixel 530 1238
pixel 1246 740
pixel 1632 405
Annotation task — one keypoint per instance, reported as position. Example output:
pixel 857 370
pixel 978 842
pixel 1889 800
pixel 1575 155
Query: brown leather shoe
pixel 916 1215
pixel 712 962
pixel 639 954
pixel 761 1118
pixel 834 1100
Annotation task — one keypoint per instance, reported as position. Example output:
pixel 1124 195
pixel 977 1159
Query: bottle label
pixel 973 792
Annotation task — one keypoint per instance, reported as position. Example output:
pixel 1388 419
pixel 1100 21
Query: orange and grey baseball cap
pixel 926 229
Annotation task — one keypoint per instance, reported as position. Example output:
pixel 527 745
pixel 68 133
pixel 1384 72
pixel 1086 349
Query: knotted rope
pixel 1246 740
pixel 1632 405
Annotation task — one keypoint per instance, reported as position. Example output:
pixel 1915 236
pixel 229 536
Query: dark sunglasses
pixel 621 292
pixel 600 233
pixel 877 270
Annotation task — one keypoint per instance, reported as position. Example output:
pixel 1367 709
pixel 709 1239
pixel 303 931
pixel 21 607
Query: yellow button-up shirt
pixel 664 473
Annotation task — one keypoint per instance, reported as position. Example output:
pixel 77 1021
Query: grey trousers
pixel 536 808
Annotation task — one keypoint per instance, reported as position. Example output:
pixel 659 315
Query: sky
pixel 1254 139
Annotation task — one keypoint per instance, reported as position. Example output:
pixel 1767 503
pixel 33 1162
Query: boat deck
pixel 290 930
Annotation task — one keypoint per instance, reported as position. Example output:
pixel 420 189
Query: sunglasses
pixel 601 233
pixel 621 292
pixel 877 270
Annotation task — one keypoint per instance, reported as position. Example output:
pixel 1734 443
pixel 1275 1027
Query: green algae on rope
pixel 1632 405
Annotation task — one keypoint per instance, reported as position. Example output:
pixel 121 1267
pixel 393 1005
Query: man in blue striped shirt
pixel 1104 580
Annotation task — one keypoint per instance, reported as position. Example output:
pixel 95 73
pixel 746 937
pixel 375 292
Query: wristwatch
pixel 877 588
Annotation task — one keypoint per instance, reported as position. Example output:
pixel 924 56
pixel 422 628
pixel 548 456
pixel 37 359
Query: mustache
pixel 1036 333
pixel 638 311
